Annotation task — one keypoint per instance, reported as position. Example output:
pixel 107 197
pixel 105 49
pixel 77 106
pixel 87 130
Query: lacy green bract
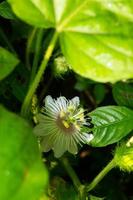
pixel 62 125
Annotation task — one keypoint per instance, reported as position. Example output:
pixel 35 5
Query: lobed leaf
pixel 99 32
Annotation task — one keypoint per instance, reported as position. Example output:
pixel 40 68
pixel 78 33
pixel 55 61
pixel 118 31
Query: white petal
pixel 59 145
pixel 72 146
pixel 42 118
pixel 48 100
pixel 46 144
pixel 78 137
pixel 88 137
pixel 45 128
pixel 75 101
pixel 38 130
pixel 62 103
pixel 50 105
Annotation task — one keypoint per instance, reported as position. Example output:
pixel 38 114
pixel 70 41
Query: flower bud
pixel 60 66
pixel 124 156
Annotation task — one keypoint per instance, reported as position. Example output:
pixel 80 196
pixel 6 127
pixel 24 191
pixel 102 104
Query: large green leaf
pixel 123 94
pixel 111 124
pixel 7 62
pixel 22 173
pixel 99 32
pixel 37 13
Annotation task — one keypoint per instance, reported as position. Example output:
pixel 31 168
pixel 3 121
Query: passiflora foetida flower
pixel 62 126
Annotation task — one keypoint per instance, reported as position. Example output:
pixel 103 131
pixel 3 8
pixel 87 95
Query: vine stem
pixel 28 47
pixel 76 182
pixel 35 83
pixel 101 175
pixel 37 53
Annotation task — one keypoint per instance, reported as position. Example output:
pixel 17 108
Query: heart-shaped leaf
pixel 111 124
pixel 7 62
pixel 99 32
pixel 22 173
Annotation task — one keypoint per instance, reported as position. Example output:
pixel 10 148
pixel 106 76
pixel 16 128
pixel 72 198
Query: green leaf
pixel 99 32
pixel 37 13
pixel 123 94
pixel 111 124
pixel 19 81
pixel 99 92
pixel 82 83
pixel 7 63
pixel 6 11
pixel 21 170
pixel 95 198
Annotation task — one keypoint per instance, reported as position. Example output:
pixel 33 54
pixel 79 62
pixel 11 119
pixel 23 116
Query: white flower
pixel 61 126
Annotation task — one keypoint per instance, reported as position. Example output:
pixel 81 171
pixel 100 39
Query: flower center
pixel 66 123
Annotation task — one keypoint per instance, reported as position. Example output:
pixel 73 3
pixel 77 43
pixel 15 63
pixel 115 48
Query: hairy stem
pixel 101 175
pixel 28 47
pixel 26 104
pixel 37 53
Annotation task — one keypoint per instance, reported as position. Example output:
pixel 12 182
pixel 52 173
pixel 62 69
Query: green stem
pixel 5 39
pixel 101 175
pixel 28 47
pixel 71 173
pixel 37 53
pixel 76 182
pixel 26 104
